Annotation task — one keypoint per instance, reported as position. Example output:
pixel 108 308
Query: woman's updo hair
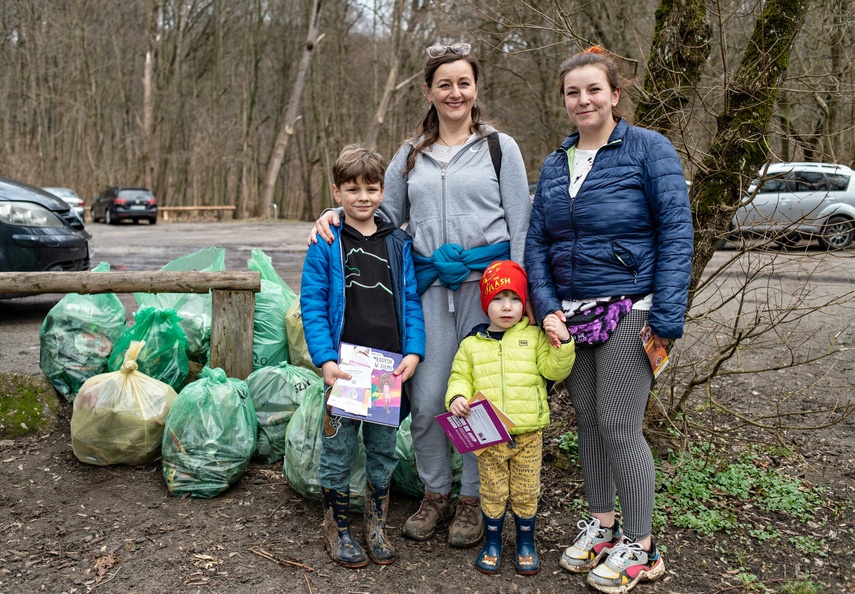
pixel 594 56
pixel 428 128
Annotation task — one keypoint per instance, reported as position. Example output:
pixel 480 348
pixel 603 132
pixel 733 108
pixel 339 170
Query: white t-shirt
pixel 444 154
pixel 582 162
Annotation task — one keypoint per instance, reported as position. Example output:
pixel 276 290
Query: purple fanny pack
pixel 594 326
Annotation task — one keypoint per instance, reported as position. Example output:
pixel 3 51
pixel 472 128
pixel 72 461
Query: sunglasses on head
pixel 461 49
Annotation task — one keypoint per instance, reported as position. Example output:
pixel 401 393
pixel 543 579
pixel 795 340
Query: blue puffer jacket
pixel 627 232
pixel 322 300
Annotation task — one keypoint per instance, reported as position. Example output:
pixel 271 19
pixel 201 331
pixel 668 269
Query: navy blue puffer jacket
pixel 628 231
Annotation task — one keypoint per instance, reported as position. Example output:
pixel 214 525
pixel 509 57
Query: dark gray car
pixel 39 232
pixel 115 204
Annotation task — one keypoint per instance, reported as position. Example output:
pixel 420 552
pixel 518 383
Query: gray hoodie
pixel 463 202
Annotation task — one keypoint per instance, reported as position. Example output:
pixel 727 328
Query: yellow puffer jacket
pixel 511 372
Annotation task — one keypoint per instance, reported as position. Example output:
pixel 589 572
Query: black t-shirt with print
pixel 369 312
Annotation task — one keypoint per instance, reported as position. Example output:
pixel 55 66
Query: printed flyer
pixel 373 394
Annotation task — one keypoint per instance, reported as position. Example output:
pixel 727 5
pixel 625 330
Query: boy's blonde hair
pixel 356 162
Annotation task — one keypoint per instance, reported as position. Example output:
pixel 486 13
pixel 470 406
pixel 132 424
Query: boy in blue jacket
pixel 360 289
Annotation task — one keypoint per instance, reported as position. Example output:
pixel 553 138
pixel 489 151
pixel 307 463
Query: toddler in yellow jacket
pixel 509 362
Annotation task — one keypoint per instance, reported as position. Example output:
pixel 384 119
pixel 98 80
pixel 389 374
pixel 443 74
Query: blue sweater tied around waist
pixel 451 264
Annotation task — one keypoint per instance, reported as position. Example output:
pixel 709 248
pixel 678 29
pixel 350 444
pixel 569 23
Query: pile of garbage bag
pixel 131 404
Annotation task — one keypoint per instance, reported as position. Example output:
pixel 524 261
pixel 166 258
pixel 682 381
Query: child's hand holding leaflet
pixel 486 425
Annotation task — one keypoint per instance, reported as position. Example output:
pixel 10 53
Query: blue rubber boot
pixel 527 561
pixel 490 558
pixel 337 538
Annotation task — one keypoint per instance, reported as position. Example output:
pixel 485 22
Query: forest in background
pixel 191 98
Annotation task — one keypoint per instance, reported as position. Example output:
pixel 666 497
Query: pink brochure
pixel 481 429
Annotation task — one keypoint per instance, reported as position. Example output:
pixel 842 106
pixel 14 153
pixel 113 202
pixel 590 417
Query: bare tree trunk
pixel 401 36
pixel 146 159
pixel 250 69
pixel 291 117
pixel 838 51
pixel 678 55
pixel 740 146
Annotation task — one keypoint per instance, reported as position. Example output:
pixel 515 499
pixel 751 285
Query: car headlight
pixel 28 214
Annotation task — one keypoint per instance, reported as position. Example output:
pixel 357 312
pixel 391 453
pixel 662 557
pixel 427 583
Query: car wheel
pixel 108 218
pixel 837 234
pixel 92 215
pixel 152 221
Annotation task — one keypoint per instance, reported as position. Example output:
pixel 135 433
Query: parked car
pixel 39 232
pixel 71 197
pixel 115 204
pixel 796 201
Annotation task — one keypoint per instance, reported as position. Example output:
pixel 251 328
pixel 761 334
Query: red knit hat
pixel 503 275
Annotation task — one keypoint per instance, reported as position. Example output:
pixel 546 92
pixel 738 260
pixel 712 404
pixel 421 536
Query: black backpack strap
pixel 495 153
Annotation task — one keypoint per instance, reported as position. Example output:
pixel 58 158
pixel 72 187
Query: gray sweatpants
pixel 444 331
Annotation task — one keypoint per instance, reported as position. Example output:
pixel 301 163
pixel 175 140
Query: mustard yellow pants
pixel 511 471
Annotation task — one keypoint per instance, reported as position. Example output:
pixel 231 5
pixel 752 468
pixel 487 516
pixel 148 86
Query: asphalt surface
pixel 146 247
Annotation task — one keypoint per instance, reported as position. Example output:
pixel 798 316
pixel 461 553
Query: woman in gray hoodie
pixel 461 187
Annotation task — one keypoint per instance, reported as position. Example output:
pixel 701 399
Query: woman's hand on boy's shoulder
pixel 322 227
pixel 407 367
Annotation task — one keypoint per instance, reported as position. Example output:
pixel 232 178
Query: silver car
pixel 801 201
pixel 70 197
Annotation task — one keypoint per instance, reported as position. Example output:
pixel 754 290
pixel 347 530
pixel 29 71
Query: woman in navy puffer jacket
pixel 611 223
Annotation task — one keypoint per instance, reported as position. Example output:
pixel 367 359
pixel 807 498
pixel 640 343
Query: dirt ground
pixel 70 527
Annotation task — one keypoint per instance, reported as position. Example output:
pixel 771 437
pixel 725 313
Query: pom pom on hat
pixel 503 275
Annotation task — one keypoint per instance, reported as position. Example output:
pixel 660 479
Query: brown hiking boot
pixel 467 528
pixel 434 510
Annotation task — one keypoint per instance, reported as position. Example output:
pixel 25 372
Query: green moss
pixel 27 405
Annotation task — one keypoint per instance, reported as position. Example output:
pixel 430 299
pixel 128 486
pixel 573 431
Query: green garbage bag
pixel 194 309
pixel 276 393
pixel 405 478
pixel 118 417
pixel 77 337
pixel 270 342
pixel 209 436
pixel 303 451
pixel 164 356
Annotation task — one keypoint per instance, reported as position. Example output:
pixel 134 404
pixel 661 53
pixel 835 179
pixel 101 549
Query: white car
pixel 799 201
pixel 69 196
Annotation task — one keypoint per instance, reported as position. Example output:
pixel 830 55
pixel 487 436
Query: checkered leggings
pixel 511 471
pixel 609 387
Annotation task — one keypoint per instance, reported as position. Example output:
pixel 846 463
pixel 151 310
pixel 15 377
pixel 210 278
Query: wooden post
pixel 232 332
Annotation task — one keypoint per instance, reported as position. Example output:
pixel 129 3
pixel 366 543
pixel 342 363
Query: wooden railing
pixel 233 299
pixel 218 209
